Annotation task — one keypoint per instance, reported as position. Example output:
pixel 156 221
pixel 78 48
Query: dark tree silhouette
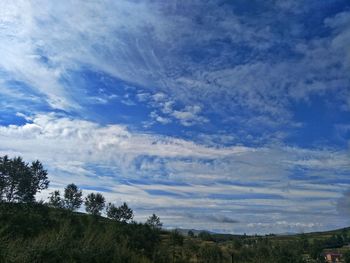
pixel 4 176
pixel 121 214
pixel 72 197
pixel 35 181
pixel 190 233
pixel 94 203
pixel 19 181
pixel 154 222
pixel 55 200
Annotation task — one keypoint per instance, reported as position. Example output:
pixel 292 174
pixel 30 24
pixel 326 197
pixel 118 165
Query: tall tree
pixel 4 176
pixel 121 214
pixel 154 222
pixel 19 181
pixel 72 197
pixel 34 180
pixel 94 203
pixel 55 199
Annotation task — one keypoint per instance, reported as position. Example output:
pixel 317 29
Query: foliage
pixel 55 199
pixel 211 253
pixel 205 236
pixel 176 238
pixel 154 222
pixel 72 197
pixel 190 233
pixel 19 181
pixel 121 214
pixel 94 203
pixel 39 233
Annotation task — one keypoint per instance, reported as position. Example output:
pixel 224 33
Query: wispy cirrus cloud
pixel 155 56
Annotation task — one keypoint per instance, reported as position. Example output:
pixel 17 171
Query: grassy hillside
pixel 37 233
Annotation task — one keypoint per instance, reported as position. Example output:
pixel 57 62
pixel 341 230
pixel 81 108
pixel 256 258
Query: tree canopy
pixel 154 222
pixel 94 203
pixel 121 214
pixel 72 197
pixel 55 199
pixel 21 181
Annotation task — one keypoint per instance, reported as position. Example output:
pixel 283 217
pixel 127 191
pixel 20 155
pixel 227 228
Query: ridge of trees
pixel 21 181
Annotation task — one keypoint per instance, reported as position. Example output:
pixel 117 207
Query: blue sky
pixel 231 116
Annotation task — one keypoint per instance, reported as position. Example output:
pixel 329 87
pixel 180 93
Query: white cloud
pixel 163 105
pixel 111 139
pixel 19 56
pixel 189 116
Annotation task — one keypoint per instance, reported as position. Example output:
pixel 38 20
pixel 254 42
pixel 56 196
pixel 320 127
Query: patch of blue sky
pixel 102 170
pixel 345 181
pixel 317 11
pixel 222 48
pixel 10 118
pixel 244 8
pixel 319 118
pixel 18 97
pixel 105 99
pixel 108 100
pixel 302 176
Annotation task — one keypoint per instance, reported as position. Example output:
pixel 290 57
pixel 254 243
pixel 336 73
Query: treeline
pixel 95 203
pixel 21 181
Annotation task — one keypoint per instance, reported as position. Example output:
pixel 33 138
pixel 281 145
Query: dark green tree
pixel 94 203
pixel 121 214
pixel 34 181
pixel 4 176
pixel 19 181
pixel 72 197
pixel 190 233
pixel 55 200
pixel 154 222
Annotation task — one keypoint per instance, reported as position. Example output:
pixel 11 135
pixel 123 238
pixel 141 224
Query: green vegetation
pixel 94 203
pixel 19 181
pixel 54 232
pixel 38 233
pixel 121 214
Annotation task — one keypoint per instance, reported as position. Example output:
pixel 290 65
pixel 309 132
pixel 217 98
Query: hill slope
pixel 37 233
